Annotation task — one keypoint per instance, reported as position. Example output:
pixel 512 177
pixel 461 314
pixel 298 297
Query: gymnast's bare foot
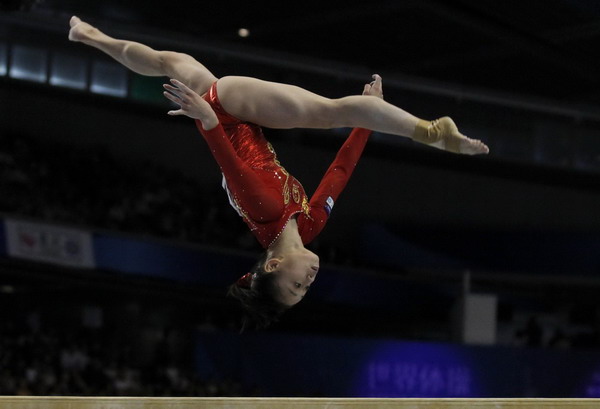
pixel 80 30
pixel 470 146
pixel 443 134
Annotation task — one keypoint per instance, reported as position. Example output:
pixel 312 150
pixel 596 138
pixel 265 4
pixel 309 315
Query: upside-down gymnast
pixel 230 112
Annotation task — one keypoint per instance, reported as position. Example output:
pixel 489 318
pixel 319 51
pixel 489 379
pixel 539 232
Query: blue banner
pixel 290 365
pixel 168 260
pixel 3 244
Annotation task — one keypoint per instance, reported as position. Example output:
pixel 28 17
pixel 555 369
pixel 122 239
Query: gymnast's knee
pixel 169 60
pixel 186 69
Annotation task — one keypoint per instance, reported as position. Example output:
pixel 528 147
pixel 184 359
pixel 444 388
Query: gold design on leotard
pixel 286 187
pixel 306 207
pixel 296 193
pixel 286 194
pixel 270 148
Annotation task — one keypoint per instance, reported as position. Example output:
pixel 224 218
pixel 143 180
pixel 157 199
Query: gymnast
pixel 230 112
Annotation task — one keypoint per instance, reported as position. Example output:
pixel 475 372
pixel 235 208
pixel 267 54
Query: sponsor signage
pixel 48 243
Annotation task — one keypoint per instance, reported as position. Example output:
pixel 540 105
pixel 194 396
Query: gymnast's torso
pixel 263 193
pixel 268 197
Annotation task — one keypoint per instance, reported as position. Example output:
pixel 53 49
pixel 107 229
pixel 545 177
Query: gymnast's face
pixel 295 272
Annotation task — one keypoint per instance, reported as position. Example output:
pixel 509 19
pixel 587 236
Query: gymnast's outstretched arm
pixel 338 174
pixel 278 105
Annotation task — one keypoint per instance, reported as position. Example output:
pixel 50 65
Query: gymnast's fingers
pixel 174 90
pixel 176 112
pixel 377 83
pixel 172 97
pixel 366 89
pixel 182 86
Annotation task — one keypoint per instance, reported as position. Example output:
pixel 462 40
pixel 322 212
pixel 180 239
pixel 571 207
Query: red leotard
pixel 261 190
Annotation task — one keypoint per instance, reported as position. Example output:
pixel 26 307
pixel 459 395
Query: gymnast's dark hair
pixel 259 301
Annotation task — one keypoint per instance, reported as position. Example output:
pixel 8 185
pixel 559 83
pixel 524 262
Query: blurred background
pixel 442 275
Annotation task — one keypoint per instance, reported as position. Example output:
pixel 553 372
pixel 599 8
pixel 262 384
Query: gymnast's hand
pixel 375 88
pixel 190 104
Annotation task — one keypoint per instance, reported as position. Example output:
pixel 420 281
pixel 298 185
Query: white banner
pixel 50 244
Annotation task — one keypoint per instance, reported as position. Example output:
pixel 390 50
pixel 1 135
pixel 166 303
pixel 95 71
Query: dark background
pixel 522 76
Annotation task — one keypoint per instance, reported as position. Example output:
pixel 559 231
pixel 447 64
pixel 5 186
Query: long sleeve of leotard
pixel 332 184
pixel 260 202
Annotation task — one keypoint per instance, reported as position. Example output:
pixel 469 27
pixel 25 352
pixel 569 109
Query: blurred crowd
pixel 91 363
pixel 89 187
pixel 544 332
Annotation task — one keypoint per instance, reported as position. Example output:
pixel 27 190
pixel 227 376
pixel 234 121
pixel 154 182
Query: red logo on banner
pixel 28 239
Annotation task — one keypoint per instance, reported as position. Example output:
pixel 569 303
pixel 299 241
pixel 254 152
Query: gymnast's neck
pixel 288 240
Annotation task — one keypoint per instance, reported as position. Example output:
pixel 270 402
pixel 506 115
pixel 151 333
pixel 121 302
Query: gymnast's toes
pixel 79 29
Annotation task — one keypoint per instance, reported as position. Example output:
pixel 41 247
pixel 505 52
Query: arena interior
pixel 447 280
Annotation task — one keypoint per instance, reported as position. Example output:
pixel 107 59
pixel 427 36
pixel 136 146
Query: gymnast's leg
pixel 276 105
pixel 143 59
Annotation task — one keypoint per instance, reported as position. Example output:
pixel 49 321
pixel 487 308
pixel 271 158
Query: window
pixel 109 79
pixel 3 59
pixel 68 71
pixel 28 63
